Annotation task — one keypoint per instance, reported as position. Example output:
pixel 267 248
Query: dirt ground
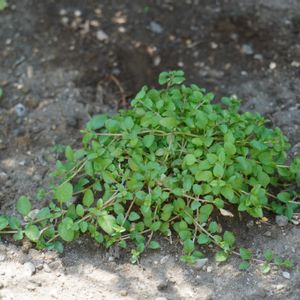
pixel 63 61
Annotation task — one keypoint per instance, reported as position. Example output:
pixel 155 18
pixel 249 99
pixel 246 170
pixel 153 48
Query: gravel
pixel 281 221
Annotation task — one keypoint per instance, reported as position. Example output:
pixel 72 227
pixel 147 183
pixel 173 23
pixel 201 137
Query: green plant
pixel 175 162
pixel 3 4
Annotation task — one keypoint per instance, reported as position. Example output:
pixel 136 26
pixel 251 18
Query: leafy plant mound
pixel 174 162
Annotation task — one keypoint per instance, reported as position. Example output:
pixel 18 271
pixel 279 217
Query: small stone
pixel 155 27
pixel 29 268
pixel 101 35
pixel 281 221
pixel 209 269
pixel 250 224
pixel 31 287
pixel 200 263
pixel 214 45
pixel 156 61
pixel 20 110
pixel 123 293
pixel 247 49
pixel 65 20
pixel 77 13
pixel 161 298
pixel 164 259
pixel 46 268
pixel 272 65
pixel 280 287
pixel 111 258
pixel 258 56
pixel 62 12
pixel 295 64
pixel 163 285
pixel 268 234
pixel 3 177
pixel 286 275
pixel 1 285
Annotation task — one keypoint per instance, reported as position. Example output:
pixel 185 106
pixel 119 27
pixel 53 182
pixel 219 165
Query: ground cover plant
pixel 174 162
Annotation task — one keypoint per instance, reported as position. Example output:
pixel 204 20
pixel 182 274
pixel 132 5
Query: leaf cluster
pixel 175 162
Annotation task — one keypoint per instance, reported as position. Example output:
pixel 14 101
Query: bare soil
pixel 67 60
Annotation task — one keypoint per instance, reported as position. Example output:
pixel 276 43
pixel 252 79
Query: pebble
pixel 161 298
pixel 286 275
pixel 268 234
pixel 101 35
pixel 29 268
pixel 281 221
pixel 3 177
pixel 20 110
pixel 156 27
pixel 1 285
pixel 209 269
pixel 124 293
pixel 280 287
pixel 162 286
pixel 200 263
pixel 2 256
pixel 258 56
pixel 77 13
pixel 214 45
pixel 272 65
pixel 164 259
pixel 46 268
pixel 62 12
pixel 250 224
pixel 295 64
pixel 247 49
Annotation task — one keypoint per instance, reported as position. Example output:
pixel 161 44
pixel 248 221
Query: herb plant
pixel 175 162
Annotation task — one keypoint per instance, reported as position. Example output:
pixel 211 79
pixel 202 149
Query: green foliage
pixel 3 4
pixel 174 162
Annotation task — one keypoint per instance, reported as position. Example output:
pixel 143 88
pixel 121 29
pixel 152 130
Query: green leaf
pixel 188 246
pixel 230 148
pixel 189 159
pixel 64 192
pixel 148 140
pixel 18 236
pixel 107 223
pixel 24 205
pixel 229 238
pixel 32 232
pixel 3 222
pixel 83 226
pixel 203 239
pixel 169 122
pixel 284 196
pixel 265 268
pixel 133 216
pixel 213 227
pixel 3 5
pixel 88 198
pixel 268 255
pixel 218 170
pixel 96 122
pixel 65 229
pixel 205 176
pixel 221 256
pixel 205 212
pixel 163 78
pixel 69 153
pixel 154 245
pixel 244 265
pixel 245 254
pixel 79 210
pixel 227 192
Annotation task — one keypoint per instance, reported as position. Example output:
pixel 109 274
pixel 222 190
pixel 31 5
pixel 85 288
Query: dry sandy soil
pixel 63 61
